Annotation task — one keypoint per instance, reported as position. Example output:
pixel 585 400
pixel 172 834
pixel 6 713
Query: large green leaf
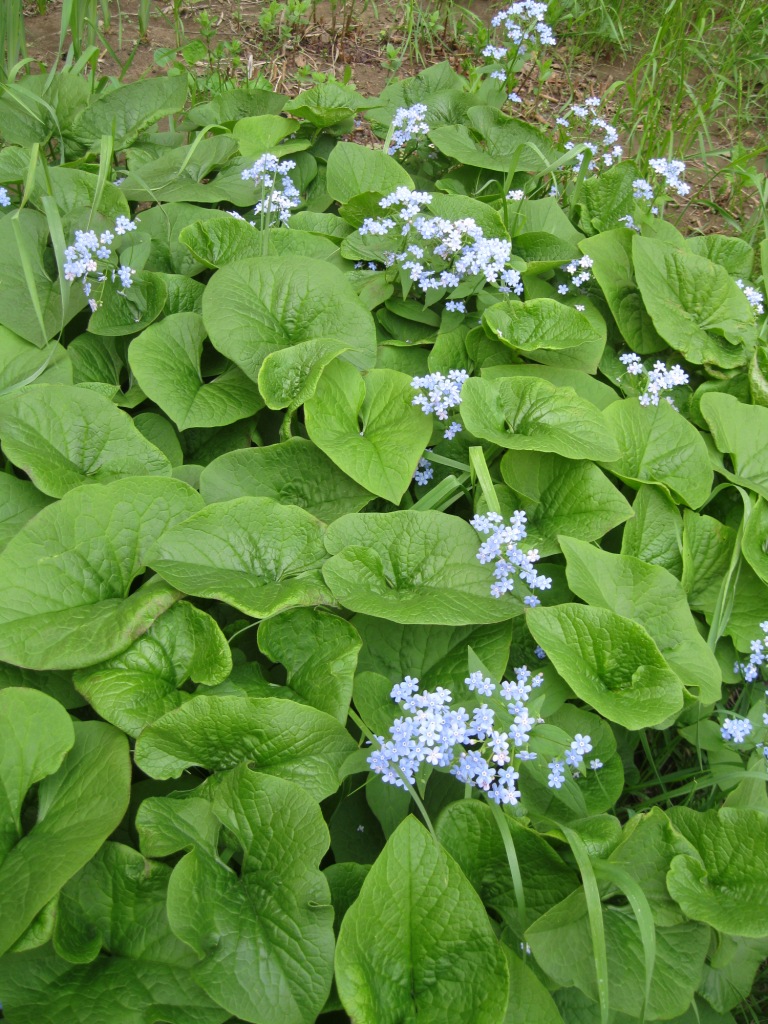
pixel 272 959
pixel 610 662
pixel 548 331
pixel 418 940
pixel 78 807
pixel 221 240
pixel 652 597
pixel 562 945
pixel 654 534
pixel 611 254
pixel 726 884
pixel 166 361
pixel 413 567
pixel 289 377
pixel 468 832
pixel 369 427
pixel 319 652
pixel 35 734
pixel 24 363
pixel 354 169
pixel 493 141
pixel 255 307
pixel 62 436
pixel 295 472
pixel 437 655
pixel 607 197
pixel 740 431
pixel 694 304
pixel 254 553
pixel 117 902
pixel 39 988
pixel 19 502
pixel 562 496
pixel 136 687
pixel 67 600
pixel 660 446
pixel 125 111
pixel 278 737
pixel 530 414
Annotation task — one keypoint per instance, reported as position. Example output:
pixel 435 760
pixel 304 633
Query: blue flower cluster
pixel 275 201
pixel 598 137
pixel 407 123
pixel 5 199
pixel 670 172
pixel 755 298
pixel 502 546
pixel 454 250
pixel 443 395
pixel 86 260
pixel 659 379
pixel 469 741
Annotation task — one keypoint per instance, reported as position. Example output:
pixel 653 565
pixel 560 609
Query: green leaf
pixel 289 377
pixel 467 831
pixel 23 363
pixel 493 141
pixel 19 502
pixel 696 307
pixel 734 254
pixel 586 387
pixel 437 655
pixel 413 567
pixel 726 883
pixel 548 331
pixel 354 169
pixel 561 944
pixel 131 310
pixel 166 361
pixel 67 600
pixel 659 446
pixel 417 940
pixel 611 253
pixel 117 902
pixel 35 734
pixel 530 414
pixel 652 597
pixel 648 844
pixel 255 307
pixel 606 197
pixel 319 652
pixel 279 737
pixel 140 685
pixel 39 988
pixel 327 104
pixel 253 553
pixel 740 431
pixel 126 111
pixel 754 543
pixel 63 436
pixel 369 427
pixel 610 662
pixel 272 958
pixel 562 496
pixel 219 241
pixel 78 807
pixel 731 971
pixel 293 473
pixel 654 534
pixel 529 1000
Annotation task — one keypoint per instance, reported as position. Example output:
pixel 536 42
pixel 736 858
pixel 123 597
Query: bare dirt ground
pixel 373 49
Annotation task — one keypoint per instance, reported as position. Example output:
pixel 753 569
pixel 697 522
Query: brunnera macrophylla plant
pixel 375 564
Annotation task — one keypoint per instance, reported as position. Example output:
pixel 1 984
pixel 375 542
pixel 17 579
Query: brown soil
pixel 290 56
